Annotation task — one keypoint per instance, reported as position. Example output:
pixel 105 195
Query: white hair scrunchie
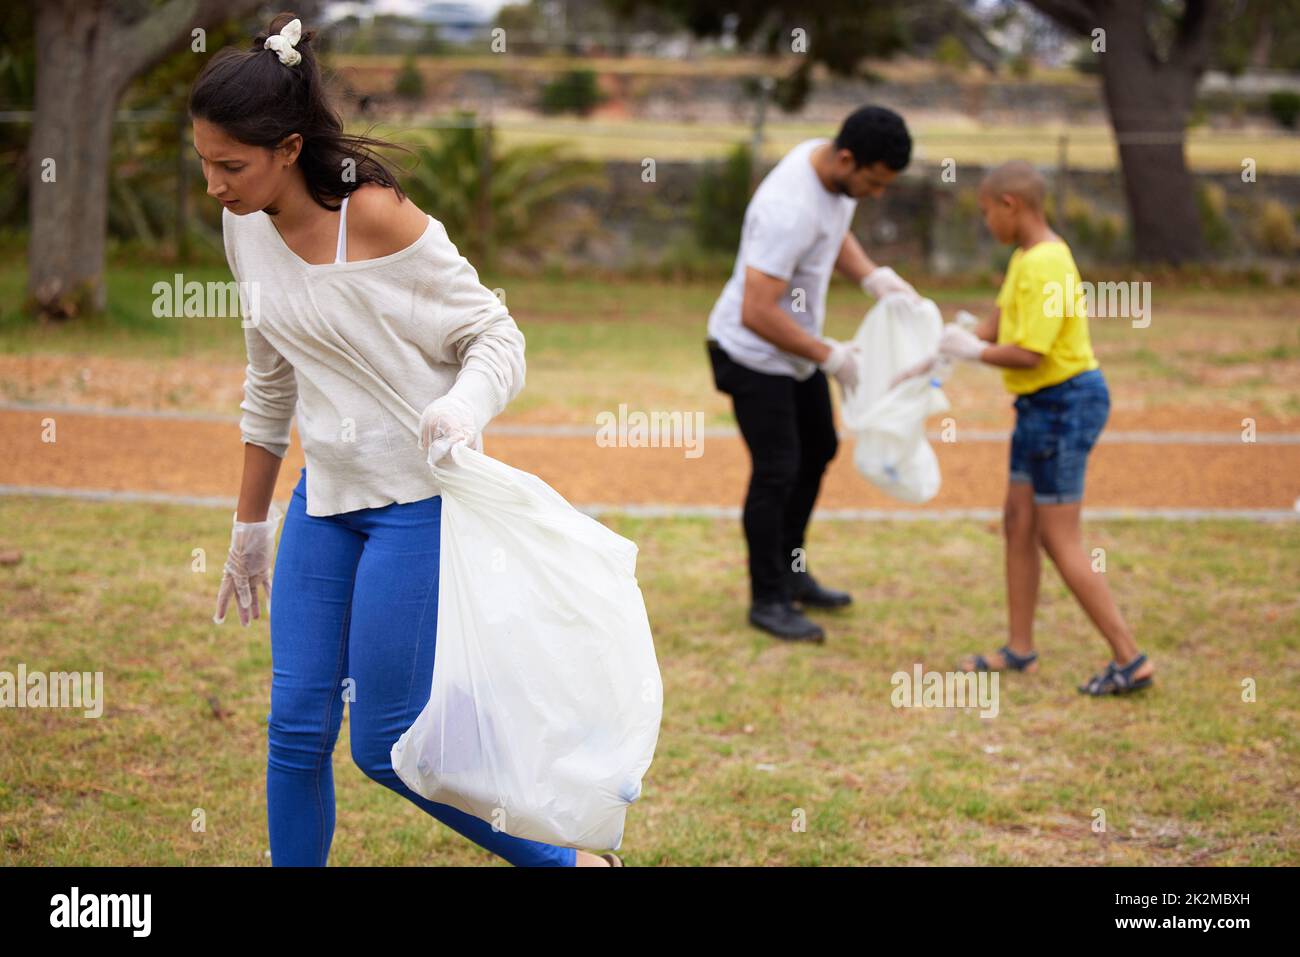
pixel 284 42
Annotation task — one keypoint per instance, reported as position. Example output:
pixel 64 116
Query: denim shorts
pixel 1055 430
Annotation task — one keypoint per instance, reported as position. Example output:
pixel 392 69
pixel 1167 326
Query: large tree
pixel 87 52
pixel 1153 56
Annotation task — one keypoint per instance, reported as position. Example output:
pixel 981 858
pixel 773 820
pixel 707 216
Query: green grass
pixel 1088 147
pixel 594 343
pixel 128 327
pixel 753 733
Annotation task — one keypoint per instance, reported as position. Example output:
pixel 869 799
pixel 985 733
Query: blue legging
pixel 355 596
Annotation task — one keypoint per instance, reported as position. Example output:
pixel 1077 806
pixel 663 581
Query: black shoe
pixel 784 621
pixel 805 590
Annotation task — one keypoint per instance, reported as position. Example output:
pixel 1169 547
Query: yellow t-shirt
pixel 1044 310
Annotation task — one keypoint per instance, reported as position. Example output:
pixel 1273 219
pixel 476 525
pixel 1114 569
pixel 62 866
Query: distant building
pixel 456 22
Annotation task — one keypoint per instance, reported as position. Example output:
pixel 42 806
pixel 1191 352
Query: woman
pixel 358 314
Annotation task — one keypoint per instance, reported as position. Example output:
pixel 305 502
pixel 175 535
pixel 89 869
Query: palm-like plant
pixel 525 186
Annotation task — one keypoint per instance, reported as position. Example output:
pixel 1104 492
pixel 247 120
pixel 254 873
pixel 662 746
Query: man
pixel 768 353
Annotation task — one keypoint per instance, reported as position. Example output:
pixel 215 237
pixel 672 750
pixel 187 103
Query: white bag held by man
pixel 546 699
pixel 888 424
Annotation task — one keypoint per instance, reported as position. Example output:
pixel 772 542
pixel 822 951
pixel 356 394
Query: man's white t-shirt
pixel 793 230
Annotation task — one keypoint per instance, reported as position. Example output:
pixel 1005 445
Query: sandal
pixel 614 859
pixel 1117 680
pixel 1013 661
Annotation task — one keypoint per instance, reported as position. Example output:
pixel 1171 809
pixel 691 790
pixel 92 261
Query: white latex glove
pixel 842 363
pixel 921 368
pixel 966 321
pixel 248 566
pixel 882 281
pixel 959 343
pixel 444 422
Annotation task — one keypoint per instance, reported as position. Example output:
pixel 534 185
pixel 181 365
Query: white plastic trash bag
pixel 888 425
pixel 546 699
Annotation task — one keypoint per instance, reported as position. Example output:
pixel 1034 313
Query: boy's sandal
pixel 1117 680
pixel 1014 661
pixel 614 859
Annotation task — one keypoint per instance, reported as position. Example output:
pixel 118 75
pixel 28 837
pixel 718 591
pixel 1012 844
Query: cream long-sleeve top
pixel 357 350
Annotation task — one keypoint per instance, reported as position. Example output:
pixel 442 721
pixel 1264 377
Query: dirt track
pixel 199 458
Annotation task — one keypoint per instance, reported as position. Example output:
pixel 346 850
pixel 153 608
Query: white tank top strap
pixel 341 256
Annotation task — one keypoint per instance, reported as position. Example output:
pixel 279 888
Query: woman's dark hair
pixel 875 134
pixel 258 100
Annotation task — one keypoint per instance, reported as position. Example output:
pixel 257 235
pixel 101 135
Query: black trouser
pixel 790 430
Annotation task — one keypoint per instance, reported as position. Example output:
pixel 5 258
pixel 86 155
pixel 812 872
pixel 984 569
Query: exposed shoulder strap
pixel 341 256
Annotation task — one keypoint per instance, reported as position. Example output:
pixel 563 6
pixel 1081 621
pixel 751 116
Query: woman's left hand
pixel 445 422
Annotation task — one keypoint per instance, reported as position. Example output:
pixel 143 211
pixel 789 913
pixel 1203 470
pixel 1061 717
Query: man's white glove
pixel 444 422
pixel 248 565
pixel 960 343
pixel 842 363
pixel 882 281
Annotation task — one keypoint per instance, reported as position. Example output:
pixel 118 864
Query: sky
pixel 408 7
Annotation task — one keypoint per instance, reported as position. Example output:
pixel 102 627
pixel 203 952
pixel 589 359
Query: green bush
pixel 1085 61
pixel 1093 231
pixel 409 84
pixel 573 92
pixel 1275 229
pixel 1285 107
pixel 952 53
pixel 721 195
pixel 1079 219
pixel 791 92
pixel 1211 201
pixel 685 261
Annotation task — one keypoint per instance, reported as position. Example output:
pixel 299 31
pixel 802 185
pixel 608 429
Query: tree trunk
pixel 87 52
pixel 1149 99
pixel 76 95
pixel 1149 103
pixel 1149 106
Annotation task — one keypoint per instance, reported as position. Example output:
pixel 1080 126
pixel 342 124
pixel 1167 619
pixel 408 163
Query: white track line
pixel 119 413
pixel 634 510
pixel 950 514
pixel 589 432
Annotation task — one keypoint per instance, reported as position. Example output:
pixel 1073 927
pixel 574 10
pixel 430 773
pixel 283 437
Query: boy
pixel 1040 340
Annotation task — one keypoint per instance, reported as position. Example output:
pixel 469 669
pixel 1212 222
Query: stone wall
pixel 922 222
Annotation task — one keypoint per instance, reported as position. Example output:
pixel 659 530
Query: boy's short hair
pixel 874 134
pixel 1020 179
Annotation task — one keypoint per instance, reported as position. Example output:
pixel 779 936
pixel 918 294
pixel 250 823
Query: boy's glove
pixel 964 320
pixel 248 565
pixel 960 343
pixel 921 368
pixel 842 363
pixel 882 281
